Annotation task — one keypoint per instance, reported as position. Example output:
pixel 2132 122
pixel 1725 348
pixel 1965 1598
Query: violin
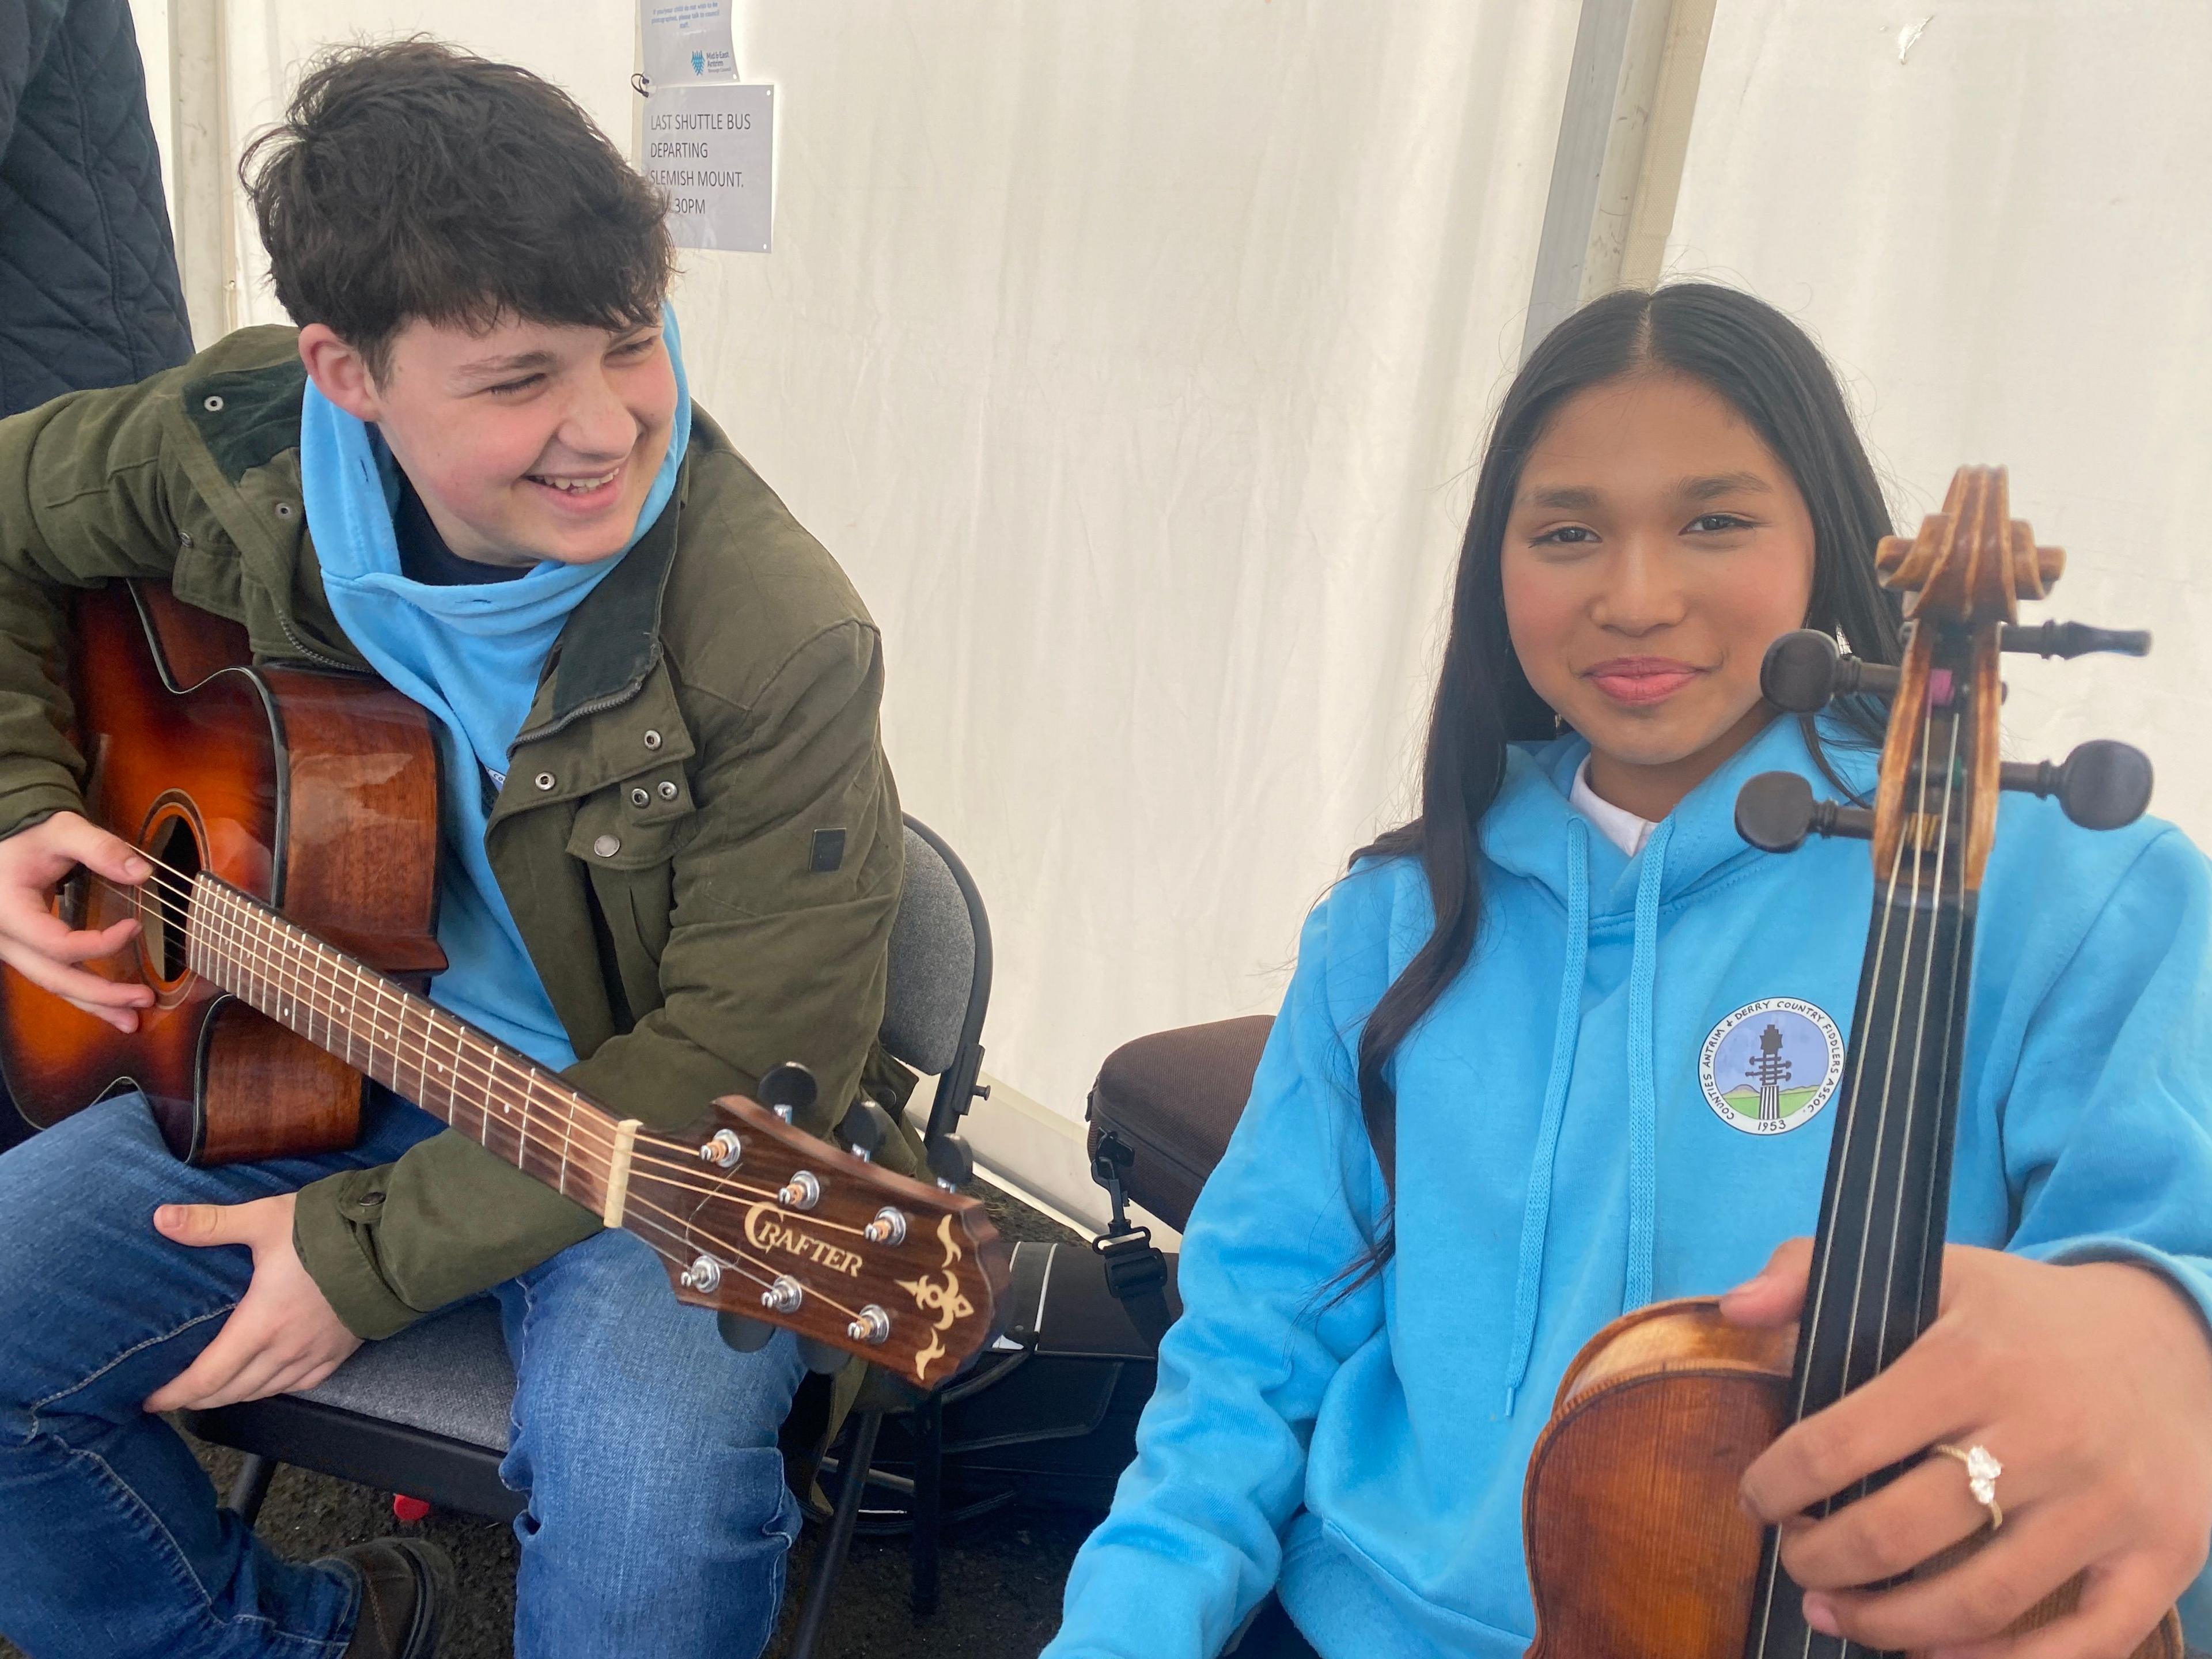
pixel 1637 1548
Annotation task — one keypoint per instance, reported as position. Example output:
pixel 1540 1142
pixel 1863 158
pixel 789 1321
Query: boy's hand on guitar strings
pixel 2091 1385
pixel 281 1336
pixel 42 947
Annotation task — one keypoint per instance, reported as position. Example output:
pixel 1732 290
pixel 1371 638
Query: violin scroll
pixel 1963 575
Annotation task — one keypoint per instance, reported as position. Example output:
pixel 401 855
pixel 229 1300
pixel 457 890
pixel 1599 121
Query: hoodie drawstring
pixel 1536 1218
pixel 1643 1094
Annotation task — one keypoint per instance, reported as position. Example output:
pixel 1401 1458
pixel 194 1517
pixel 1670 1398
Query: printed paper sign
pixel 687 41
pixel 710 147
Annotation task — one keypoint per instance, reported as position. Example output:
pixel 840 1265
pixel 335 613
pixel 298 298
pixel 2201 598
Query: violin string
pixel 1876 1182
pixel 395 1038
pixel 1909 1136
pixel 1823 1264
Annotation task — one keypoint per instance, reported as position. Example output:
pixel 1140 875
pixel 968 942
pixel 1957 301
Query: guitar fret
pixel 397 1037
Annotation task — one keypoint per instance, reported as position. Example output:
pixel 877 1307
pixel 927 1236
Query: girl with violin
pixel 1565 1045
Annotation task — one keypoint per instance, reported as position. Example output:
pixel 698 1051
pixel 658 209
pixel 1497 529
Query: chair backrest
pixel 939 983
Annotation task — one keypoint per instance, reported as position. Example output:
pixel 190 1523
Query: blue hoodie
pixel 1577 1135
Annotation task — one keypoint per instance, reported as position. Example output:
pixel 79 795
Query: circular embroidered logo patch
pixel 1770 1065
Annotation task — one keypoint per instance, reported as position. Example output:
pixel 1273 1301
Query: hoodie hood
pixel 1525 831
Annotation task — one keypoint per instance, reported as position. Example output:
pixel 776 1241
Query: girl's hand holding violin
pixel 2091 1385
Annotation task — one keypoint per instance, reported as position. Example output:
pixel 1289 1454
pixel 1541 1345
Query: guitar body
pixel 1637 1546
pixel 315 793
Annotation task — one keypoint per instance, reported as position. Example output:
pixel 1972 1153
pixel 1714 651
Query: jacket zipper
pixel 309 651
pixel 597 705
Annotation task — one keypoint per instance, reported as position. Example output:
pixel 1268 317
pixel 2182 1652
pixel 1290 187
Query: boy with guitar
pixel 672 851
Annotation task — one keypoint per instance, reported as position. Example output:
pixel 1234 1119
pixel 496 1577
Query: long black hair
pixel 1775 379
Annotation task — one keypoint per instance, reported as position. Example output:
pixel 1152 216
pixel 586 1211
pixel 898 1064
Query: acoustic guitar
pixel 288 930
pixel 1637 1548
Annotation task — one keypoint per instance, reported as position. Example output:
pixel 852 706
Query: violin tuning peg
pixel 2056 639
pixel 2102 785
pixel 1804 670
pixel 1775 811
pixel 788 1089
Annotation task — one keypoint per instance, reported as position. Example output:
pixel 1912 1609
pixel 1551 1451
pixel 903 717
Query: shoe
pixel 404 1582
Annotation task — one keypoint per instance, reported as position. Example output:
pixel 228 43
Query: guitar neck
pixel 513 1107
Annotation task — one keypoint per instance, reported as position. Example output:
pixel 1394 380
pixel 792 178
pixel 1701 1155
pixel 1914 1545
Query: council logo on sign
pixel 1770 1065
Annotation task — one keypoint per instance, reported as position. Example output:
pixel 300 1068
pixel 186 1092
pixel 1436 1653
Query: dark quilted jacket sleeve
pixel 89 290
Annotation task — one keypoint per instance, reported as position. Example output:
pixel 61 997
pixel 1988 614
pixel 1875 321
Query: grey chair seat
pixel 448 1375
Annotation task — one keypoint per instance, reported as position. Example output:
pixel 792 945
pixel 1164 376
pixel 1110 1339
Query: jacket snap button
pixel 639 798
pixel 606 847
pixel 213 405
pixel 653 739
pixel 544 780
pixel 668 789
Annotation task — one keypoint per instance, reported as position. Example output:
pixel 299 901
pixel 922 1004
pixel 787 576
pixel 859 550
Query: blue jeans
pixel 657 1520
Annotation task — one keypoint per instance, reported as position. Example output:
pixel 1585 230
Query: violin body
pixel 1637 1546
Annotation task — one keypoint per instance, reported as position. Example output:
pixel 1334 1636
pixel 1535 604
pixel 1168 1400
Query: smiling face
pixel 526 441
pixel 1655 547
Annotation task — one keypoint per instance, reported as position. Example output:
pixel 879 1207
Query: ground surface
pixel 1001 1578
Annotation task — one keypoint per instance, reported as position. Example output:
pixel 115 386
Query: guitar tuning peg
pixel 2056 639
pixel 866 1128
pixel 788 1089
pixel 1804 670
pixel 951 1163
pixel 1775 811
pixel 2102 785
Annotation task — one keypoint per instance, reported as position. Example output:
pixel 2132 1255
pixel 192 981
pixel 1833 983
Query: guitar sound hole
pixel 160 912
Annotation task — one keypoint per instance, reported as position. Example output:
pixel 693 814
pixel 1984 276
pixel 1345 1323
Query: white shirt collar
pixel 1620 827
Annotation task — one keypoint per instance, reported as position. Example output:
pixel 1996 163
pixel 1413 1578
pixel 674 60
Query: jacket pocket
pixel 630 850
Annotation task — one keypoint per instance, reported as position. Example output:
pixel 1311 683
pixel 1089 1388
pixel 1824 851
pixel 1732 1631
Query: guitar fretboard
pixel 515 1108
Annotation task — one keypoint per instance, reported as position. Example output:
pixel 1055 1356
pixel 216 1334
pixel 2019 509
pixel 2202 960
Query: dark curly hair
pixel 411 179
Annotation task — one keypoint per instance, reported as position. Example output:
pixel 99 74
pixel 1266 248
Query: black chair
pixel 425 1412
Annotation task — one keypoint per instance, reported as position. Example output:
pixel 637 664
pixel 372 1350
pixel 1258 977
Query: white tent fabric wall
pixel 1995 230
pixel 1133 357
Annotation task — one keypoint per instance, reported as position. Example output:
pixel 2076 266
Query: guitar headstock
pixel 1936 804
pixel 754 1217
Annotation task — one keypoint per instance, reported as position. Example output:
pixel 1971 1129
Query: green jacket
pixel 688 943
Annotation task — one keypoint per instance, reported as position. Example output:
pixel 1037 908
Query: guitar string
pixel 439 1021
pixel 685 1231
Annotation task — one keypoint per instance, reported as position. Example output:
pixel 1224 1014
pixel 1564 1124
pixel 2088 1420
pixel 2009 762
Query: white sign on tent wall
pixel 710 147
pixel 688 40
